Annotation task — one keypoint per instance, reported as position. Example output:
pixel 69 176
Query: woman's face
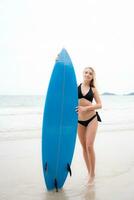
pixel 87 74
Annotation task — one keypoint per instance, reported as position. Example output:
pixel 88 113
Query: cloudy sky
pixel 95 33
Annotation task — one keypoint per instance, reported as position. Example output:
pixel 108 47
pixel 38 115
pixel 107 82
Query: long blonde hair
pixel 93 81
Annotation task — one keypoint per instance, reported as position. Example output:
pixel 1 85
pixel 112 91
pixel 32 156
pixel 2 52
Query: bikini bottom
pixel 86 122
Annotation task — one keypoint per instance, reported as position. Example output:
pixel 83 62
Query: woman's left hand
pixel 81 109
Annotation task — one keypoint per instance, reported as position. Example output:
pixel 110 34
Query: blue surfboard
pixel 59 123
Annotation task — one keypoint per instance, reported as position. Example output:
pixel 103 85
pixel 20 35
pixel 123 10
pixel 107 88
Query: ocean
pixel 23 114
pixel 20 116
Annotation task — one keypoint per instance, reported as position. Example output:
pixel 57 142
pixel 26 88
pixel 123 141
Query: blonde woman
pixel 88 118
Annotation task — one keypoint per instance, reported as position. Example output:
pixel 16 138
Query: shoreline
pixel 20 161
pixel 37 134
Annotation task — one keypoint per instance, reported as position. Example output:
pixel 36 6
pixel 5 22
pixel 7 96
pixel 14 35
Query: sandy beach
pixel 21 174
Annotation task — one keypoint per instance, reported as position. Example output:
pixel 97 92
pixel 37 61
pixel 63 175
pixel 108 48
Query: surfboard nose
pixel 63 56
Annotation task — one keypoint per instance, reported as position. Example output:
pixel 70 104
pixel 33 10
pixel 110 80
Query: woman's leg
pixel 82 138
pixel 90 138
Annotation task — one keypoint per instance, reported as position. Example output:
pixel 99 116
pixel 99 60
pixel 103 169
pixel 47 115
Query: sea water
pixel 20 114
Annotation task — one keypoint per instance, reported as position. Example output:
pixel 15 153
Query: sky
pixel 95 33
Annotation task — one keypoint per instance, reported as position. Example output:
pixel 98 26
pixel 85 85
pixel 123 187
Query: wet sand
pixel 21 174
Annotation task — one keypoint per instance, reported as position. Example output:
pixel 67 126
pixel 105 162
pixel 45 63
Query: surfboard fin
pixel 56 184
pixel 69 169
pixel 46 167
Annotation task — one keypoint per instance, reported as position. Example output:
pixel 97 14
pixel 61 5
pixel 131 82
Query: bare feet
pixel 91 180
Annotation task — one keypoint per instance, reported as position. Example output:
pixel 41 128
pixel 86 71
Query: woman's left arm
pixel 98 104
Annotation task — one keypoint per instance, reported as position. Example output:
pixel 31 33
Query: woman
pixel 88 118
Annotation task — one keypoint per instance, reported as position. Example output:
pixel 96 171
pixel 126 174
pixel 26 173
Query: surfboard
pixel 59 122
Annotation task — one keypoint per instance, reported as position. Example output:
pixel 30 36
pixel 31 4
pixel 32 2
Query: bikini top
pixel 88 96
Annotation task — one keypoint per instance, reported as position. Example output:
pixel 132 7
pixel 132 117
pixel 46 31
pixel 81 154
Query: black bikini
pixel 89 97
